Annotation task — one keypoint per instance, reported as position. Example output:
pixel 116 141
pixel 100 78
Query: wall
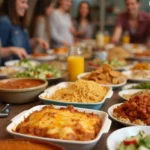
pixel 120 3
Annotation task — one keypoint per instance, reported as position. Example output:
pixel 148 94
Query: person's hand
pixel 66 43
pixel 81 32
pixel 148 43
pixel 43 44
pixel 20 52
pixel 72 30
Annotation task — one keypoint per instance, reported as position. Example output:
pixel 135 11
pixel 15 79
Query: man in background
pixel 134 22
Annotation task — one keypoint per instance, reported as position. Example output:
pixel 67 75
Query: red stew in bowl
pixel 20 84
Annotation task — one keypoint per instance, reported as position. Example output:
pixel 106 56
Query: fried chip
pixel 114 73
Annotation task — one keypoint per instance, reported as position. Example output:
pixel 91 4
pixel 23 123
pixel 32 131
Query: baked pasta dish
pixel 64 123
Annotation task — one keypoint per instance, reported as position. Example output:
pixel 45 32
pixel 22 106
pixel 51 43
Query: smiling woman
pixel 13 33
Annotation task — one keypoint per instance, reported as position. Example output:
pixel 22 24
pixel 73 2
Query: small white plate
pixel 109 46
pixel 50 52
pixel 123 68
pixel 130 92
pixel 43 58
pixel 60 56
pixel 123 81
pixel 129 67
pixel 130 86
pixel 110 112
pixel 56 78
pixel 14 63
pixel 141 58
pixel 131 48
pixel 129 75
pixel 126 67
pixel 12 70
pixel 119 135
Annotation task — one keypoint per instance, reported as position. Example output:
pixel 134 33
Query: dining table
pixel 16 109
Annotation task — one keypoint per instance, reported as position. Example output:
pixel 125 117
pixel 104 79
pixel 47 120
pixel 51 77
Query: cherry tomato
pixel 35 73
pixel 49 76
pixel 129 142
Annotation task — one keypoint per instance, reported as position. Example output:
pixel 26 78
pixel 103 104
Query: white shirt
pixel 60 24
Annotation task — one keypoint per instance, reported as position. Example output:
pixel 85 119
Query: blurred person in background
pixel 13 33
pixel 40 26
pixel 62 30
pixel 133 21
pixel 83 22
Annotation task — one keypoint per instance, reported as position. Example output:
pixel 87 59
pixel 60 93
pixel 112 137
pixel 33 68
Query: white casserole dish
pixel 68 144
pixel 48 92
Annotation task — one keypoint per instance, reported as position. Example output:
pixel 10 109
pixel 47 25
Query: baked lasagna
pixel 63 123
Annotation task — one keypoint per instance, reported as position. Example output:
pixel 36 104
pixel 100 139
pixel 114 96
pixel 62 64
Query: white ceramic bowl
pixel 68 144
pixel 119 135
pixel 20 96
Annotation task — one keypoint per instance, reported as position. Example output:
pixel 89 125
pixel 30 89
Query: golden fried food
pixel 61 50
pixel 105 75
pixel 141 66
pixel 114 73
pixel 118 53
pixel 143 54
pixel 39 55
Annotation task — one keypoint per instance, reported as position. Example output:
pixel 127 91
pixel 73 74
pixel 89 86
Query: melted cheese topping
pixel 64 123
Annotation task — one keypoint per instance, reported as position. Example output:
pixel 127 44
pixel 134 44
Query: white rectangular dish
pixel 48 92
pixel 68 144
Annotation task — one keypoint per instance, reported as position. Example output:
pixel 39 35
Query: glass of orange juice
pixel 126 38
pixel 107 37
pixel 75 62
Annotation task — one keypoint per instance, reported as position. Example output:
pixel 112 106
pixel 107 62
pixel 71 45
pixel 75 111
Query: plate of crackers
pixel 105 75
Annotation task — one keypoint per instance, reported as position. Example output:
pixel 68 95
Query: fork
pixel 5 111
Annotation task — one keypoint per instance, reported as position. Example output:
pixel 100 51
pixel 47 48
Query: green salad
pixel 141 86
pixel 44 71
pixel 26 63
pixel 139 142
pixel 114 63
